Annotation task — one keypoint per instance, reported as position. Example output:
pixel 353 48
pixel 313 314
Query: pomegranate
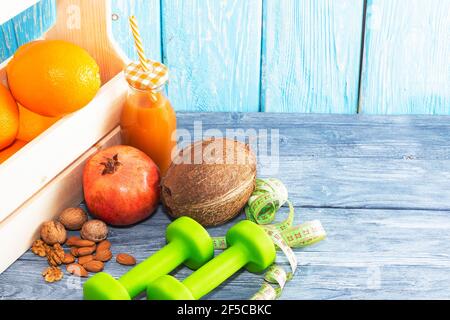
pixel 121 185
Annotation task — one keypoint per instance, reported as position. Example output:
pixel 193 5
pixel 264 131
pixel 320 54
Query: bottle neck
pixel 146 98
pixel 152 90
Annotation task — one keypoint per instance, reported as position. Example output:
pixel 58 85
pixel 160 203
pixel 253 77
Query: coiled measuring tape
pixel 267 199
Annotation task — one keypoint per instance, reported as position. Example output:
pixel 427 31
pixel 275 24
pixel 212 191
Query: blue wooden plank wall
pixel 406 66
pixel 319 56
pixel 311 51
pixel 213 51
pixel 26 27
pixel 147 13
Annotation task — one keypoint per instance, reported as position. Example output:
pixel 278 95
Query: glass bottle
pixel 148 122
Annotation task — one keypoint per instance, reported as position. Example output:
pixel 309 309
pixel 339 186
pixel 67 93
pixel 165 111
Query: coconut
pixel 210 181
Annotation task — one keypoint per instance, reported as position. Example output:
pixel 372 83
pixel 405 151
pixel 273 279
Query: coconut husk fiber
pixel 210 181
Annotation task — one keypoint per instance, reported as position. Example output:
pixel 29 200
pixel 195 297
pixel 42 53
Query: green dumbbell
pixel 250 246
pixel 188 243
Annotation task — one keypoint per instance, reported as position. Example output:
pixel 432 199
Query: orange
pixel 32 124
pixel 53 77
pixel 25 46
pixel 8 152
pixel 9 118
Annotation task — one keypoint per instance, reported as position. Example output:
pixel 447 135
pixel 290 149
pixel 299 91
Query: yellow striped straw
pixel 138 43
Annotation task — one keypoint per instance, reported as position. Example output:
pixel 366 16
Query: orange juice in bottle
pixel 148 120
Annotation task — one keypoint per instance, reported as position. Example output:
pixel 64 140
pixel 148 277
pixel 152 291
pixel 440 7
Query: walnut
pixel 73 218
pixel 52 274
pixel 94 230
pixel 39 248
pixel 53 232
pixel 55 255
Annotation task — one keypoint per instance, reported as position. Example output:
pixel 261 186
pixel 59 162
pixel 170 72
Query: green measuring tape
pixel 267 199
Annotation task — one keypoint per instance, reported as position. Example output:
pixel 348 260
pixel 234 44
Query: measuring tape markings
pixel 264 203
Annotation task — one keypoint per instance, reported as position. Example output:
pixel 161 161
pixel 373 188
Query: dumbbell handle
pixel 216 271
pixel 162 262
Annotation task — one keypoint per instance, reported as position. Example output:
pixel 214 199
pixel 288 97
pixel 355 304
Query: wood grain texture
pixel 406 67
pixel 369 254
pixel 368 183
pixel 8 44
pixel 325 160
pixel 149 19
pixel 26 26
pixel 212 49
pixel 341 136
pixel 311 52
pixel 353 161
pixel 33 22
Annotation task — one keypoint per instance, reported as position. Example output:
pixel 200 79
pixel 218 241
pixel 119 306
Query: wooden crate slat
pixel 8 44
pixel 27 26
pixel 43 158
pixel 34 22
pixel 88 25
pixel 64 191
pixel 12 9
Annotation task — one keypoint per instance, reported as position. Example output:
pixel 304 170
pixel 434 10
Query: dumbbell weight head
pixel 188 242
pixel 102 286
pixel 168 288
pixel 195 238
pixel 260 248
pixel 250 247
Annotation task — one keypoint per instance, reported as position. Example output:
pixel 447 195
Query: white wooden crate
pixel 44 177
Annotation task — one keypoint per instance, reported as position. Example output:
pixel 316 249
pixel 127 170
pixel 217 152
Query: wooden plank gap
pixel 262 107
pixel 361 58
pixel 162 37
pixel 393 208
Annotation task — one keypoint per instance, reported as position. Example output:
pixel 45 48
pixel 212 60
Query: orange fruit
pixel 5 154
pixel 9 118
pixel 32 124
pixel 25 46
pixel 53 77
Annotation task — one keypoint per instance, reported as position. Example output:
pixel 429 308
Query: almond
pixel 94 266
pixel 104 245
pixel 72 240
pixel 85 259
pixel 84 251
pixel 68 258
pixel 75 241
pixel 103 255
pixel 74 251
pixel 77 270
pixel 125 259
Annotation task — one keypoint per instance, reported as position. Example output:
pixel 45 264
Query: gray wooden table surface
pixel 380 186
